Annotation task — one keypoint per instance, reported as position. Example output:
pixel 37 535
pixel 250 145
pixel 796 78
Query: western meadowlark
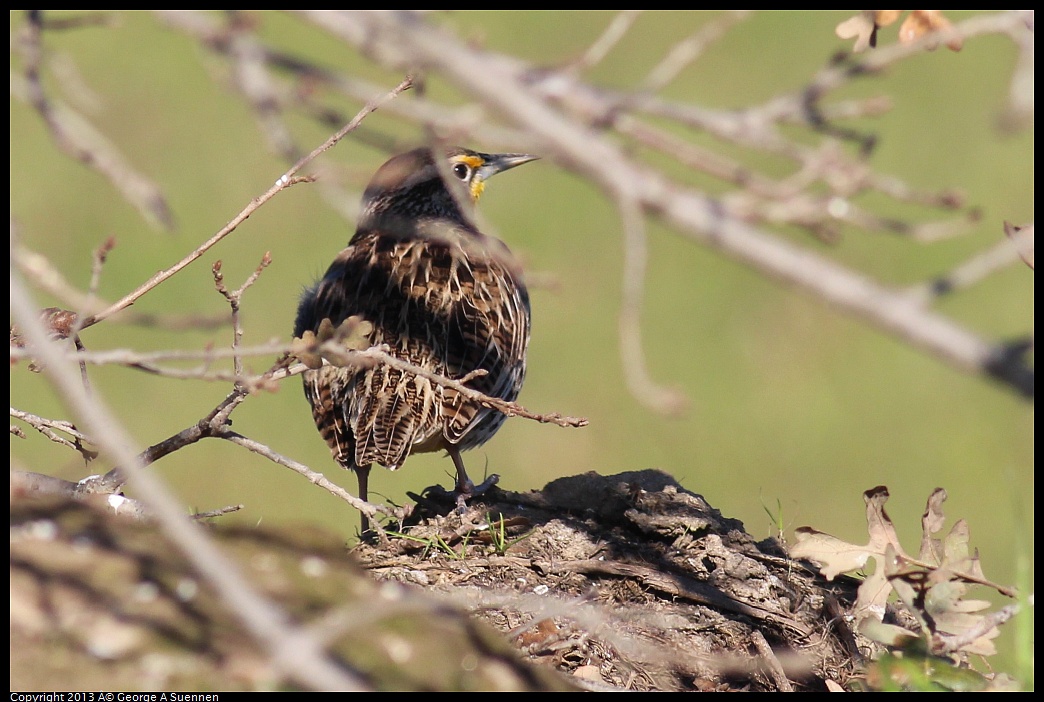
pixel 441 295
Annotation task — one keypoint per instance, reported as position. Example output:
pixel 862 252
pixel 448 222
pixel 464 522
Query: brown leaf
pixel 872 595
pixel 931 522
pixel 955 617
pixel 862 27
pixel 354 333
pixel 326 330
pixel 932 588
pixel 833 555
pixel 921 23
pixel 837 556
pixel 304 348
pixel 60 324
pixel 882 532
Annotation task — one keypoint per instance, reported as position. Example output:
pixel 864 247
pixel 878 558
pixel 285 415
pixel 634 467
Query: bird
pixel 421 279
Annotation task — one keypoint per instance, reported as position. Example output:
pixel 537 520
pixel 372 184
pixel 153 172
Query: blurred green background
pixel 795 409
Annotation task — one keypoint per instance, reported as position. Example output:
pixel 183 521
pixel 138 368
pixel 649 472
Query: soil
pixel 623 582
pixel 630 582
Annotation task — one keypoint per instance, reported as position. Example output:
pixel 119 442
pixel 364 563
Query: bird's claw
pixel 466 490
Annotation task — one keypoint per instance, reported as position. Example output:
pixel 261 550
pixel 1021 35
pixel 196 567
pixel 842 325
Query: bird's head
pixel 413 185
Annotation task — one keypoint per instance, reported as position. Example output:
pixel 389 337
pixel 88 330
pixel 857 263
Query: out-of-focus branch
pixel 1020 95
pixel 1022 237
pixel 614 32
pixel 636 372
pixel 45 276
pixel 74 135
pixel 37 484
pixel 407 41
pixel 979 266
pixel 292 650
pixel 685 52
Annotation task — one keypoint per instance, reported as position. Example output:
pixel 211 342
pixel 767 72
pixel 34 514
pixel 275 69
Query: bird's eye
pixel 461 170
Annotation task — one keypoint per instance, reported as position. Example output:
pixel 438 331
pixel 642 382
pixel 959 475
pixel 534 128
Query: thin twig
pixel 46 276
pixel 333 352
pixel 101 254
pixel 370 509
pixel 220 512
pixel 129 357
pixel 948 643
pixel 234 298
pixel 47 427
pixel 284 181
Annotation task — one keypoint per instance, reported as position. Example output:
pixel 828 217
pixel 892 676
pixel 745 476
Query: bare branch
pixel 128 357
pixel 689 50
pixel 27 483
pixel 612 35
pixel 100 256
pixel 211 514
pixel 369 509
pixel 943 644
pixel 46 276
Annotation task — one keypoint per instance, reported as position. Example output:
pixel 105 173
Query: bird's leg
pixel 362 473
pixel 464 487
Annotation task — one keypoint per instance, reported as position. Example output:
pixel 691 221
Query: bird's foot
pixel 466 490
pixel 460 494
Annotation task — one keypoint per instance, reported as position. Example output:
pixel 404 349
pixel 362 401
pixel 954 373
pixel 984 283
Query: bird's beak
pixel 497 163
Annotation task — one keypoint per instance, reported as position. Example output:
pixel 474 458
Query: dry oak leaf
pixel 353 334
pixel 863 27
pixel 932 587
pixel 60 324
pixel 836 556
pixel 936 595
pixel 920 23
